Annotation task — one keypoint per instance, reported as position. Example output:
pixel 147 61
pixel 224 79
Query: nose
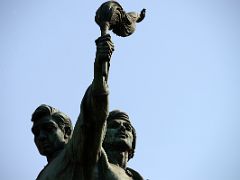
pixel 122 127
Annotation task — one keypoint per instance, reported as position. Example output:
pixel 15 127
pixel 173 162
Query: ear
pixel 68 132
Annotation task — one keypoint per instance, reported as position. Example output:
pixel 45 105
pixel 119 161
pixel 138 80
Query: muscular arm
pixel 89 130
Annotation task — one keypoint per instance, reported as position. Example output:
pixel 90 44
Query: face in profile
pixel 48 136
pixel 119 134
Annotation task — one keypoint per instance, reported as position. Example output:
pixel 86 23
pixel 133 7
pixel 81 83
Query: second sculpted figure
pixel 79 154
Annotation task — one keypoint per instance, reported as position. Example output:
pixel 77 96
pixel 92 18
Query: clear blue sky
pixel 177 76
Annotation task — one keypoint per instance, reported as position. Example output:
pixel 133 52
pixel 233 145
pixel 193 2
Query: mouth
pixel 122 135
pixel 44 145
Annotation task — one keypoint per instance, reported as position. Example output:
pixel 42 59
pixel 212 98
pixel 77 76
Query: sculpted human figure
pixel 52 130
pixel 119 144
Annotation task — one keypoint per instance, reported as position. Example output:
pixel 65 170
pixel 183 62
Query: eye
pixel 49 128
pixel 128 127
pixel 113 125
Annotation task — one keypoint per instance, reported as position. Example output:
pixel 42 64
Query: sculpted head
pixel 120 133
pixel 51 128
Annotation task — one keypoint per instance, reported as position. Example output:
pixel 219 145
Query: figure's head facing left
pixel 51 128
pixel 120 133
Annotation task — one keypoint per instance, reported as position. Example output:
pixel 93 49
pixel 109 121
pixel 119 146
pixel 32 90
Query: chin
pixel 123 143
pixel 45 152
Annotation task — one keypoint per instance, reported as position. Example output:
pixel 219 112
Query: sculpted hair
pixel 59 117
pixel 116 114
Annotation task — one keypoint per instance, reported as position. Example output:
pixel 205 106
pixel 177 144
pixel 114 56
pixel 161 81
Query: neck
pixel 117 157
pixel 53 156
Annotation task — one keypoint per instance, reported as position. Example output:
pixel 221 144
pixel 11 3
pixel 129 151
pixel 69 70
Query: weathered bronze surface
pixel 84 153
pixel 111 16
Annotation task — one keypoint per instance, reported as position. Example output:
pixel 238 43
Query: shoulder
pixel 135 174
pixel 55 167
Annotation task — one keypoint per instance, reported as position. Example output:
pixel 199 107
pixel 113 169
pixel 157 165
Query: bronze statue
pixel 79 154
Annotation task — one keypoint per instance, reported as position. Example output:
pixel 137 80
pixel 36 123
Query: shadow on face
pixel 119 135
pixel 48 136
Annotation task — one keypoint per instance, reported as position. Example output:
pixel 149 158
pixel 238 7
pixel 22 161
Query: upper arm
pixel 85 144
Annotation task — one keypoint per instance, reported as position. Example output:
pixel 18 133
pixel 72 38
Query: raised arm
pixel 96 105
pixel 89 130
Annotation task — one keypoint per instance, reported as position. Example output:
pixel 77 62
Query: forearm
pixel 104 51
pixel 99 84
